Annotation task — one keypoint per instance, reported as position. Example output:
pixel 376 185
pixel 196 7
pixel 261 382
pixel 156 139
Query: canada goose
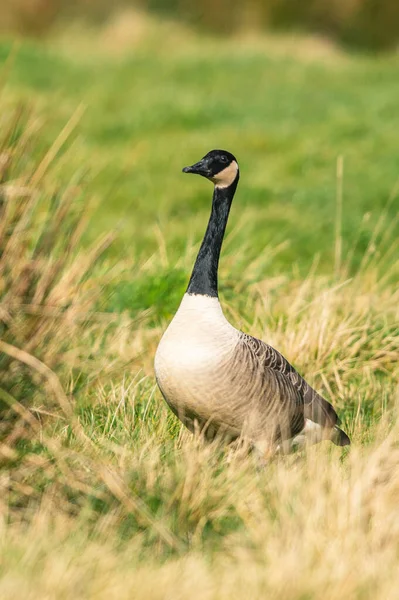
pixel 221 380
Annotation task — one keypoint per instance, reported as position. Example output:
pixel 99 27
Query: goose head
pixel 219 166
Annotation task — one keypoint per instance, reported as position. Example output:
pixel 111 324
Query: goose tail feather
pixel 339 437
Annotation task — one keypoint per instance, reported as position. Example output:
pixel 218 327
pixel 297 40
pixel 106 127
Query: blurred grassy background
pixel 158 96
pixel 362 23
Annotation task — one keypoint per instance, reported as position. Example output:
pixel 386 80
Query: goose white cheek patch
pixel 226 177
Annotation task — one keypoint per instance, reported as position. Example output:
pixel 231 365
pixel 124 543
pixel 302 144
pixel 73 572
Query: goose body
pixel 221 380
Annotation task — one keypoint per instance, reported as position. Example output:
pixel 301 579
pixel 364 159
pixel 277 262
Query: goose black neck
pixel 204 278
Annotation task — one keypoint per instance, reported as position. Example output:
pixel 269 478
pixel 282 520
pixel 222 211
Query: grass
pixel 102 495
pixel 155 107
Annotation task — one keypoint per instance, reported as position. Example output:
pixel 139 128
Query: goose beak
pixel 200 168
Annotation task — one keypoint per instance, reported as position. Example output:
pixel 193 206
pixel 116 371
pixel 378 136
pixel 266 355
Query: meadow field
pixel 102 493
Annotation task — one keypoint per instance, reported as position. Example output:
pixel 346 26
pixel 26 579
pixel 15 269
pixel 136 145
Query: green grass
pixel 102 494
pixel 151 111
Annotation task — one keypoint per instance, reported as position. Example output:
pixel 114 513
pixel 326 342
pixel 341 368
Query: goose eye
pixel 224 159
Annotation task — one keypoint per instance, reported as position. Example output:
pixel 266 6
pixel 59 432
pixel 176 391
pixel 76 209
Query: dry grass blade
pixel 44 370
pixel 57 145
pixel 136 506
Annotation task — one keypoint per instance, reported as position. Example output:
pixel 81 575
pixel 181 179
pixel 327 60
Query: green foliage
pixel 159 294
pixel 150 113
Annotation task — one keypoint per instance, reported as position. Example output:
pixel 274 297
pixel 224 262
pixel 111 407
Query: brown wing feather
pixel 315 407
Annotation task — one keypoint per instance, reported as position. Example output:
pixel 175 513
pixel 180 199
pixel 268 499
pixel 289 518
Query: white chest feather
pixel 190 357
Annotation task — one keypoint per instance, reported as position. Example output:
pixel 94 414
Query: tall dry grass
pixel 193 525
pixel 53 337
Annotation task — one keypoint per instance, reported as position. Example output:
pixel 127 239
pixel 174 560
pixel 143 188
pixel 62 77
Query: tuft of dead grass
pixel 50 286
pixel 305 527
